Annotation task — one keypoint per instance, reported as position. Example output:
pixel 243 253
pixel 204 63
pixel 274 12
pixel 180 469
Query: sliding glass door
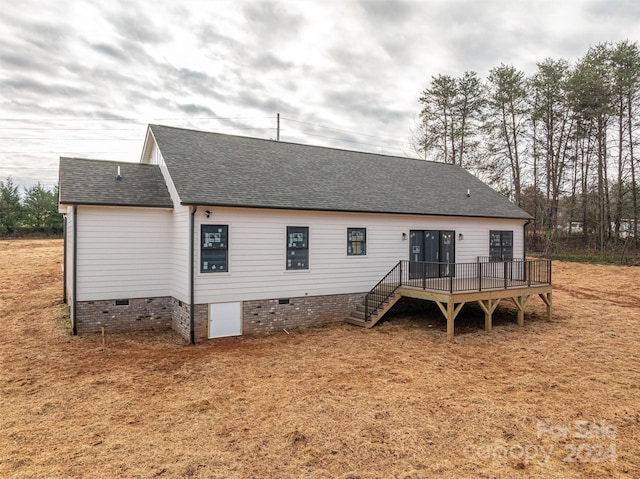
pixel 427 248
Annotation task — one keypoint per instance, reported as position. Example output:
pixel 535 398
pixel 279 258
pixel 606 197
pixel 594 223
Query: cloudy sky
pixel 84 78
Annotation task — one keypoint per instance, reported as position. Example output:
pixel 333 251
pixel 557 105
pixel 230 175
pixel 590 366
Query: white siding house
pixel 216 234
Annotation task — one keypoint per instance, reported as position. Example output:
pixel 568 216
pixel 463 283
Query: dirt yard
pixel 555 399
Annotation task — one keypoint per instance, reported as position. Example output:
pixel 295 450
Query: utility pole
pixel 278 129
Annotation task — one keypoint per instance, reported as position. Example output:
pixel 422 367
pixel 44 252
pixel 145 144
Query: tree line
pixel 561 143
pixel 35 212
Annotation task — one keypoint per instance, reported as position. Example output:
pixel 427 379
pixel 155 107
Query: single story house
pixel 218 235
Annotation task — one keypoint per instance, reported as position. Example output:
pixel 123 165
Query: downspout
pixel 64 262
pixel 192 313
pixel 524 249
pixel 75 271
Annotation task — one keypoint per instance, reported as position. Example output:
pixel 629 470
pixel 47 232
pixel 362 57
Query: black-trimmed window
pixel 356 241
pixel 214 248
pixel 297 247
pixel 501 245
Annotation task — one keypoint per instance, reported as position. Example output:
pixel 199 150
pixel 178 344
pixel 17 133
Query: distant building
pixel 572 227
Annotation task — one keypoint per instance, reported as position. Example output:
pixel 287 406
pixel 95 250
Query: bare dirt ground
pixel 554 399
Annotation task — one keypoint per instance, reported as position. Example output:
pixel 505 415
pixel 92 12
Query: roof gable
pixel 93 182
pixel 226 170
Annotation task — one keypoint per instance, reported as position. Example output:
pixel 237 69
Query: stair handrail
pixel 378 298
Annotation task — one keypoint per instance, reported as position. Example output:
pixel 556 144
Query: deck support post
pixel 521 303
pixel 547 298
pixel 488 306
pixel 450 312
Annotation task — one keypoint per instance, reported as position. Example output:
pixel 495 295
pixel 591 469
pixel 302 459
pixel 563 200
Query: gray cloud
pixel 186 81
pixel 192 109
pixel 133 23
pixel 44 35
pixel 365 105
pixel 137 53
pixel 625 11
pixel 397 48
pixel 268 61
pixel 192 76
pixel 111 51
pixel 25 84
pixel 109 78
pixel 210 39
pixel 386 12
pixel 267 104
pixel 351 63
pixel 25 63
pixel 272 22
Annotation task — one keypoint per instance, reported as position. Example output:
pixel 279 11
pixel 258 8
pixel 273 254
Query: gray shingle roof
pixel 93 182
pixel 225 170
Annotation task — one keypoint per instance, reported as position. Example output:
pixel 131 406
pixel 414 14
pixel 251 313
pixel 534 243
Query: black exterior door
pixel 432 247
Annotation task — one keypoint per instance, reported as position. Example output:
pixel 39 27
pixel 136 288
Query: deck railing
pixel 479 276
pixel 383 290
pixel 459 277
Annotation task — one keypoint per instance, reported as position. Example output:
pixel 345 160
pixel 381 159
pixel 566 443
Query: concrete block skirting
pixel 137 314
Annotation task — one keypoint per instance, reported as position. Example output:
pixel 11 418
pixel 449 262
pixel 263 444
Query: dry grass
pixel 398 401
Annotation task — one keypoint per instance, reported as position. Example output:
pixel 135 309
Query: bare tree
pixel 450 112
pixel 555 126
pixel 507 122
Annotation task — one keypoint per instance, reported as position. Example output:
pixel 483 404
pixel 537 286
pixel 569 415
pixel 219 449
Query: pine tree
pixel 11 210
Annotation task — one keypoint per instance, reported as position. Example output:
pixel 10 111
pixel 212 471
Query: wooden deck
pixel 484 283
pixel 450 304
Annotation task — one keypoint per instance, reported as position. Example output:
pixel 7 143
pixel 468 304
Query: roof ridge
pixel 305 145
pixel 75 158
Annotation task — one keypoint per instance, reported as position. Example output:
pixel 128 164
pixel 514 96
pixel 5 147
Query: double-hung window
pixel 297 247
pixel 214 248
pixel 501 245
pixel 356 241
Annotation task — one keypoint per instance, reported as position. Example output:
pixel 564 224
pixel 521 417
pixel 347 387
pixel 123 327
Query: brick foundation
pixel 258 317
pixel 267 316
pixel 201 321
pixel 180 318
pixel 140 314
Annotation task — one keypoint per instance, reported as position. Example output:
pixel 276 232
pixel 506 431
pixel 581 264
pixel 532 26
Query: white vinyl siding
pixel 257 250
pixel 180 254
pixel 124 253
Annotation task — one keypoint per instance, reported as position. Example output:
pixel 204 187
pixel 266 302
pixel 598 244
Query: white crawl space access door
pixel 225 319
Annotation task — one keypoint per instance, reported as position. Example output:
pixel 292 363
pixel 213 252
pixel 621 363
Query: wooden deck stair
pixel 357 317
